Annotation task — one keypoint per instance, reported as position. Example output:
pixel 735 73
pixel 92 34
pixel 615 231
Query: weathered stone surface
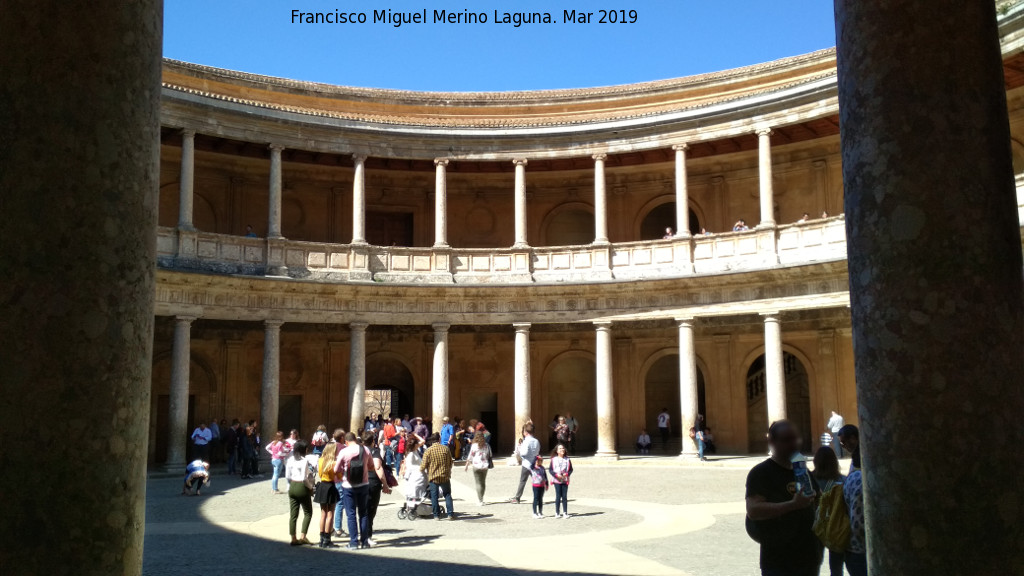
pixel 79 107
pixel 935 277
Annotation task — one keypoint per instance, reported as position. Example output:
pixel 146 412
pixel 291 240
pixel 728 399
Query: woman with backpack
pixel 561 470
pixel 481 458
pixel 300 472
pixel 828 477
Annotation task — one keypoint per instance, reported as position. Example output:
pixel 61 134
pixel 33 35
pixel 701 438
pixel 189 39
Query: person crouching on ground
pixel 197 473
pixel 300 471
pixel 561 470
pixel 539 475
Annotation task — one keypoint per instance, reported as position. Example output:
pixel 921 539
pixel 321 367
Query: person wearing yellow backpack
pixel 831 522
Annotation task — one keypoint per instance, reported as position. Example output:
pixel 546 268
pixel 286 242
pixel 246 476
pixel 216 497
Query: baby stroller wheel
pixel 402 513
pixel 442 510
pixel 413 516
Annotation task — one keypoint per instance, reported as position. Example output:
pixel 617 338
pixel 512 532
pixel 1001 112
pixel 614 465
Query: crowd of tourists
pixel 797 516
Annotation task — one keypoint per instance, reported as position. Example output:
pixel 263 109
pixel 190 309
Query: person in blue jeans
pixel 448 435
pixel 353 467
pixel 437 467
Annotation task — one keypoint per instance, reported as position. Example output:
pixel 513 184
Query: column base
pixel 520 246
pixel 767 225
pixel 606 456
pixel 441 246
pixel 600 242
pixel 277 272
pixel 171 468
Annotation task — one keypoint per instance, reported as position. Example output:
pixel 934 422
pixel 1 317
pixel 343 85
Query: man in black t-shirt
pixel 779 516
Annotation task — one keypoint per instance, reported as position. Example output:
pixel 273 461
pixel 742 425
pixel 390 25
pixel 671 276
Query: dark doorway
pixel 798 402
pixel 289 414
pixel 664 216
pixel 389 228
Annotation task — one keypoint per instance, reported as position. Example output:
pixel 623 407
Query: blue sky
pixel 671 38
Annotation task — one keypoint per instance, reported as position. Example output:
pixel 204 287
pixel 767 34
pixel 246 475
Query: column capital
pixel 763 131
pixel 771 316
pixel 184 319
pixel 520 161
pixel 275 147
pixel 603 325
pixel 188 133
pixel 681 147
pixel 273 323
pixel 359 158
pixel 686 321
pixel 441 162
pixel 441 327
pixel 521 327
pixel 358 326
pixel 600 157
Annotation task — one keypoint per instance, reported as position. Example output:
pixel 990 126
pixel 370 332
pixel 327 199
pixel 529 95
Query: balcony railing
pixel 815 241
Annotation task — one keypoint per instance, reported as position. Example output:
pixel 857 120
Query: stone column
pixel 520 201
pixel 522 376
pixel 600 201
pixel 688 393
pixel 764 148
pixel 682 196
pixel 270 391
pixel 357 375
pixel 274 198
pixel 605 393
pixel 80 178
pixel 774 369
pixel 359 200
pixel 935 284
pixel 177 405
pixel 186 186
pixel 441 203
pixel 439 395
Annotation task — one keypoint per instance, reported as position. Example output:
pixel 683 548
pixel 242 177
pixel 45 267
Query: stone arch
pixel 570 385
pixel 660 213
pixel 392 372
pixel 799 380
pixel 569 224
pixel 204 215
pixel 660 378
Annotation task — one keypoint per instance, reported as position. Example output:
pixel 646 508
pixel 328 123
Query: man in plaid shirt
pixel 437 467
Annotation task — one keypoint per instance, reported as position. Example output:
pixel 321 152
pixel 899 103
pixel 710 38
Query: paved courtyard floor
pixel 639 516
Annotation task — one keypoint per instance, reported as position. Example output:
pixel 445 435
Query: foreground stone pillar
pixel 79 174
pixel 359 200
pixel 682 197
pixel 439 405
pixel 270 391
pixel 600 200
pixel 274 197
pixel 522 376
pixel 764 164
pixel 186 186
pixel 520 202
pixel 605 393
pixel 357 376
pixel 688 393
pixel 935 282
pixel 177 405
pixel 774 368
pixel 441 203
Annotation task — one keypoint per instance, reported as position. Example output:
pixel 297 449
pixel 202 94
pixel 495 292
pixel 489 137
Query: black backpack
pixel 357 468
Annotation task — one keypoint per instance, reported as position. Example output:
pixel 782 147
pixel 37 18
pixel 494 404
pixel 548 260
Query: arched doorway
pixel 661 390
pixel 390 387
pixel 798 402
pixel 663 216
pixel 569 225
pixel 571 384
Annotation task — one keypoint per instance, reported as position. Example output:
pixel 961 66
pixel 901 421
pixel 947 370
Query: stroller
pixel 423 509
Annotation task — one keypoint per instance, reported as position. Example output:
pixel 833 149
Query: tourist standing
pixel 828 477
pixel 574 430
pixel 231 445
pixel 561 470
pixel 353 468
pixel 298 468
pixel 420 429
pixel 247 452
pixel 561 432
pixel 702 444
pixel 338 438
pixel 416 482
pixel 643 442
pixel 539 479
pixel 664 426
pixel 216 448
pixel 835 424
pixel 201 438
pixel 849 439
pixel 378 484
pixel 779 517
pixel 320 439
pixel 326 494
pixel 526 454
pixel 437 467
pixel 855 557
pixel 447 437
pixel 482 460
pixel 278 450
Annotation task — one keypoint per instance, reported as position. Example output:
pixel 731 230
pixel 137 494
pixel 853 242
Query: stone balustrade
pixel 759 249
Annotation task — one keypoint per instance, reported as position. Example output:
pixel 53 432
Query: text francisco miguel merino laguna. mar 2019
pixel 425 16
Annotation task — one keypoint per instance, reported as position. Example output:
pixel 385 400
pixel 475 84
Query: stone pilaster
pixel 688 392
pixel 177 406
pixel 520 204
pixel 774 368
pixel 186 184
pixel 359 200
pixel 441 203
pixel 682 193
pixel 439 392
pixel 522 376
pixel 600 200
pixel 357 376
pixel 605 393
pixel 764 166
pixel 935 266
pixel 270 390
